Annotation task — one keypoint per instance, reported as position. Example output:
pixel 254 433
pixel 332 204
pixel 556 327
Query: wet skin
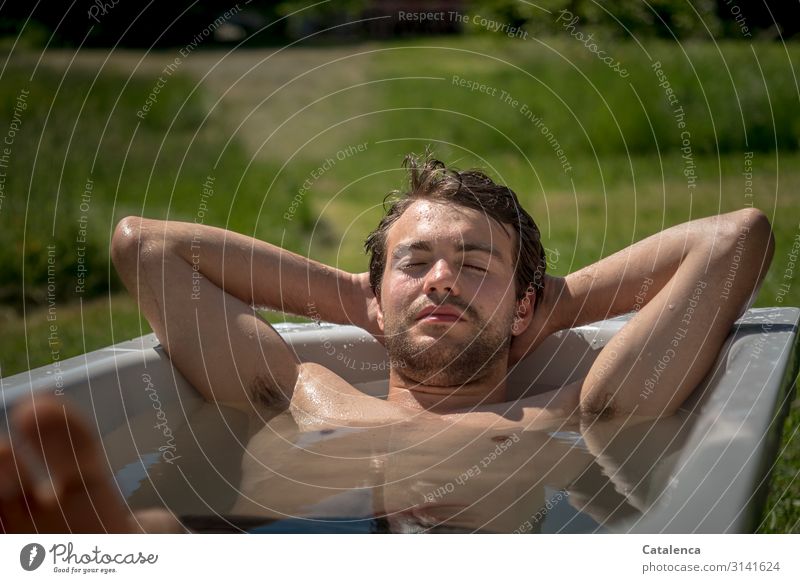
pixel 217 323
pixel 420 473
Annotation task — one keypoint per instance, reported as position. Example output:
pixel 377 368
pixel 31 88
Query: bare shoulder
pixel 550 410
pixel 323 398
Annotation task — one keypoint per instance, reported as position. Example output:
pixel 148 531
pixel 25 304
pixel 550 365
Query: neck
pixel 487 390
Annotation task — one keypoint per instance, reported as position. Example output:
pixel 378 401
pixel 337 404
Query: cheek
pixel 387 305
pixel 498 298
pixel 506 310
pixel 399 286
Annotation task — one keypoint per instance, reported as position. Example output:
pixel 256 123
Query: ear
pixel 523 314
pixel 379 313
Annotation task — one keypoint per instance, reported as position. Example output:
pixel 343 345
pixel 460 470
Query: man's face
pixel 459 263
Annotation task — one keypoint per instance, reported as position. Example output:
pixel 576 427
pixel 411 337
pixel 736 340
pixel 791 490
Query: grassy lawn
pixel 261 125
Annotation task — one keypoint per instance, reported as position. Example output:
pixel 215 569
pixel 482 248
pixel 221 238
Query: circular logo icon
pixel 31 556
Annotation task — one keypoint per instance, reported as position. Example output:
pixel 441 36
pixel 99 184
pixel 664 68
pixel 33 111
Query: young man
pixel 457 292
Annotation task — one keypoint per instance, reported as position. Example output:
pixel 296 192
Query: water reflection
pixel 237 473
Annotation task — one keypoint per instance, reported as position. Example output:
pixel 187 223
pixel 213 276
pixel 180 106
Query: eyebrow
pixel 464 247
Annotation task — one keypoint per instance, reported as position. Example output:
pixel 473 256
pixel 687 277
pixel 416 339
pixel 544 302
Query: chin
pixel 438 361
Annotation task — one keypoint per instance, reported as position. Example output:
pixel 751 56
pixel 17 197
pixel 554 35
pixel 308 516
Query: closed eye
pixel 466 266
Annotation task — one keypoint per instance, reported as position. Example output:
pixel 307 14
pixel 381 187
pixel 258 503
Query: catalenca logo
pixel 31 556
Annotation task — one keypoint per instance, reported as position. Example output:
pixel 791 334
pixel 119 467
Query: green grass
pixel 626 180
pixel 782 509
pixel 155 167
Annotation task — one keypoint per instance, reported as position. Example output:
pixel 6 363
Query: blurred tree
pixel 176 23
pixel 664 18
pixel 760 18
pixel 133 24
pixel 304 19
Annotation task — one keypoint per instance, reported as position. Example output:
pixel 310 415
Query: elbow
pixel 762 229
pixel 131 242
pixel 743 256
pixel 125 242
pixel 755 222
pixel 754 241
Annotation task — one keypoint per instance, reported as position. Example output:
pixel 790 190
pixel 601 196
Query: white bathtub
pixel 704 470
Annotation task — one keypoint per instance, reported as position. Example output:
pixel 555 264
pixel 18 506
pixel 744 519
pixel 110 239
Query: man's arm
pixel 616 285
pixel 625 281
pixel 265 275
pixel 687 285
pixel 196 286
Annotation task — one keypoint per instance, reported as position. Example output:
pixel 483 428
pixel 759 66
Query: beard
pixel 452 357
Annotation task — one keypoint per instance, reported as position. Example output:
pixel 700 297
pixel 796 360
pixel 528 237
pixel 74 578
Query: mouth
pixel 439 314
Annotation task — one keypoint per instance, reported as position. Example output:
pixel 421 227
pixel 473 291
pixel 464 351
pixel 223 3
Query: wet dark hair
pixel 430 179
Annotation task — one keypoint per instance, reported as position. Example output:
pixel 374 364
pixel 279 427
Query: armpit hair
pixel 600 408
pixel 266 391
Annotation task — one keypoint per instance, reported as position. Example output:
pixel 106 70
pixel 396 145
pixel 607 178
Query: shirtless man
pixel 456 291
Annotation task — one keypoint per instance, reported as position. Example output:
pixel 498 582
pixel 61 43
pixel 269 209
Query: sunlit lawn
pixel 626 180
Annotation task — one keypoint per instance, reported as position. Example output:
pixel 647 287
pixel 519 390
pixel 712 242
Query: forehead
pixel 441 223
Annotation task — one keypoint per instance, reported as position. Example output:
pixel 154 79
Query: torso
pixel 345 452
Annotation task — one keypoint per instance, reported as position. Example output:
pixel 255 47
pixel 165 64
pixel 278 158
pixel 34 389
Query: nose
pixel 442 278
